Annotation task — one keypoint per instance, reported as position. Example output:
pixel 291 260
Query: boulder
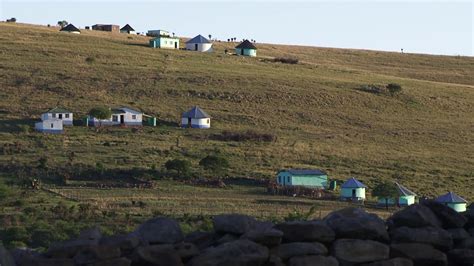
pixel 295 249
pixel 6 259
pixel 69 248
pixel 112 262
pixel 233 223
pixel 449 217
pixel 471 231
pixel 306 231
pixel 352 251
pixel 274 261
pixel 201 239
pixel 313 260
pixel 126 243
pixel 420 254
pixel 21 256
pixel 96 253
pixel 158 255
pixel 90 234
pixel 186 250
pixel 466 243
pixel 239 252
pixel 415 215
pixel 469 214
pixel 461 256
pixel 391 262
pixel 358 224
pixel 437 237
pixel 160 230
pixel 458 234
pixel 267 237
pixel 226 238
pixel 40 261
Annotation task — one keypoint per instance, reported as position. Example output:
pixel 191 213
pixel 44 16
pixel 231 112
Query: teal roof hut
pixel 246 48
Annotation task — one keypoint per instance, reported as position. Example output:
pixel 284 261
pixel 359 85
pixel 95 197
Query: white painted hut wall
pixel 48 116
pixel 201 122
pixel 202 47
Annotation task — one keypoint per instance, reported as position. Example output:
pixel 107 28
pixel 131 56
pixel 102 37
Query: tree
pixel 386 190
pixel 62 23
pixel 181 166
pixel 214 163
pixel 100 113
pixel 394 88
pixel 210 36
pixel 13 20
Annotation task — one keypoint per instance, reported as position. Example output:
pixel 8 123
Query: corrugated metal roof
pixel 199 39
pixel 450 197
pixel 304 171
pixel 353 183
pixel 246 45
pixel 70 27
pixel 403 191
pixel 195 112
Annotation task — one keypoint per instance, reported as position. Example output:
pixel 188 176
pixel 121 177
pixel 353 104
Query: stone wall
pixel 422 234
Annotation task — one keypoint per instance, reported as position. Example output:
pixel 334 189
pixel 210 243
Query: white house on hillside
pixel 54 126
pixel 120 116
pixel 60 114
pixel 196 118
pixel 200 44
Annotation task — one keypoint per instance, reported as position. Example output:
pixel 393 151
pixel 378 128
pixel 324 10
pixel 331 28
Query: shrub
pixel 90 60
pixel 394 88
pixel 371 88
pixel 214 163
pixel 24 128
pixel 244 136
pixel 286 60
pixel 180 166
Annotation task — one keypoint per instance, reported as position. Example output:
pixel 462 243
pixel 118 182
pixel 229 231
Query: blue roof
pixel 304 171
pixel 353 183
pixel 450 198
pixel 195 112
pixel 199 39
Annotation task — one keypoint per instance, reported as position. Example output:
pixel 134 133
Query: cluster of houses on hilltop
pixel 54 120
pixel 163 39
pixel 354 190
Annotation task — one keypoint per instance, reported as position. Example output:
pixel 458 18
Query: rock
pixel 159 255
pixel 160 230
pixel 349 251
pixel 449 217
pixel 275 261
pixel 466 243
pixel 6 259
pixel 239 252
pixel 471 231
pixel 306 231
pixel 313 260
pixel 267 237
pixel 126 243
pixel 96 253
pixel 420 254
pixel 458 234
pixel 69 248
pixel 91 234
pixel 358 224
pixel 186 250
pixel 295 249
pixel 226 238
pixel 461 256
pixel 391 262
pixel 201 239
pixel 437 237
pixel 112 262
pixel 21 256
pixel 39 261
pixel 233 223
pixel 415 215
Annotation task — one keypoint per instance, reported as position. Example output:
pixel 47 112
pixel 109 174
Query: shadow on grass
pixel 137 44
pixel 17 125
pixel 161 122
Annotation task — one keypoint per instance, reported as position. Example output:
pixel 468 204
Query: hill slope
pixel 422 136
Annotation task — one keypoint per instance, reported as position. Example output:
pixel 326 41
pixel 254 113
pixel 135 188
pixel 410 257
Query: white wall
pixel 66 120
pixel 202 47
pixel 51 124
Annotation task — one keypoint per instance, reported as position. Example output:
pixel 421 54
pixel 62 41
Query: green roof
pixel 58 110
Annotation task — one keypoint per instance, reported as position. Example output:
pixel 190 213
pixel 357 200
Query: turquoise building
pixel 353 189
pixel 453 201
pixel 164 40
pixel 302 177
pixel 406 197
pixel 246 48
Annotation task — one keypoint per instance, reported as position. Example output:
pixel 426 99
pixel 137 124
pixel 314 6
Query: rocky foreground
pixel 422 234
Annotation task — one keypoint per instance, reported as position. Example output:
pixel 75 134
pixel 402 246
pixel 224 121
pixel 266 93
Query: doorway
pixel 189 122
pixel 122 119
pixel 353 193
pixel 60 116
pixel 175 45
pixel 195 47
pixel 242 51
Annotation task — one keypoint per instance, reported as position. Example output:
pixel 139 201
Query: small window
pixel 134 117
pixel 288 179
pixel 53 115
pixel 279 179
pixel 115 118
pixel 208 121
pixel 66 115
pixel 52 125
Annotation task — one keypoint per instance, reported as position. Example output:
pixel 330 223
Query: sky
pixel 432 27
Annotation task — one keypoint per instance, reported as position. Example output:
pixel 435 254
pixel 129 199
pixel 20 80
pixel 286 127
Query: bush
pixel 394 88
pixel 90 60
pixel 244 136
pixel 214 163
pixel 371 88
pixel 286 60
pixel 180 166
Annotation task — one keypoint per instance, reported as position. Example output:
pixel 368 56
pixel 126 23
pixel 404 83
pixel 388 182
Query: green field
pixel 321 117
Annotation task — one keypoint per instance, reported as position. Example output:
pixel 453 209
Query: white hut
pixel 122 116
pixel 199 43
pixel 71 29
pixel 54 126
pixel 196 118
pixel 127 29
pixel 58 113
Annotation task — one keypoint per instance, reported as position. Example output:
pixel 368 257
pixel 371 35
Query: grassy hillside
pixel 422 136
